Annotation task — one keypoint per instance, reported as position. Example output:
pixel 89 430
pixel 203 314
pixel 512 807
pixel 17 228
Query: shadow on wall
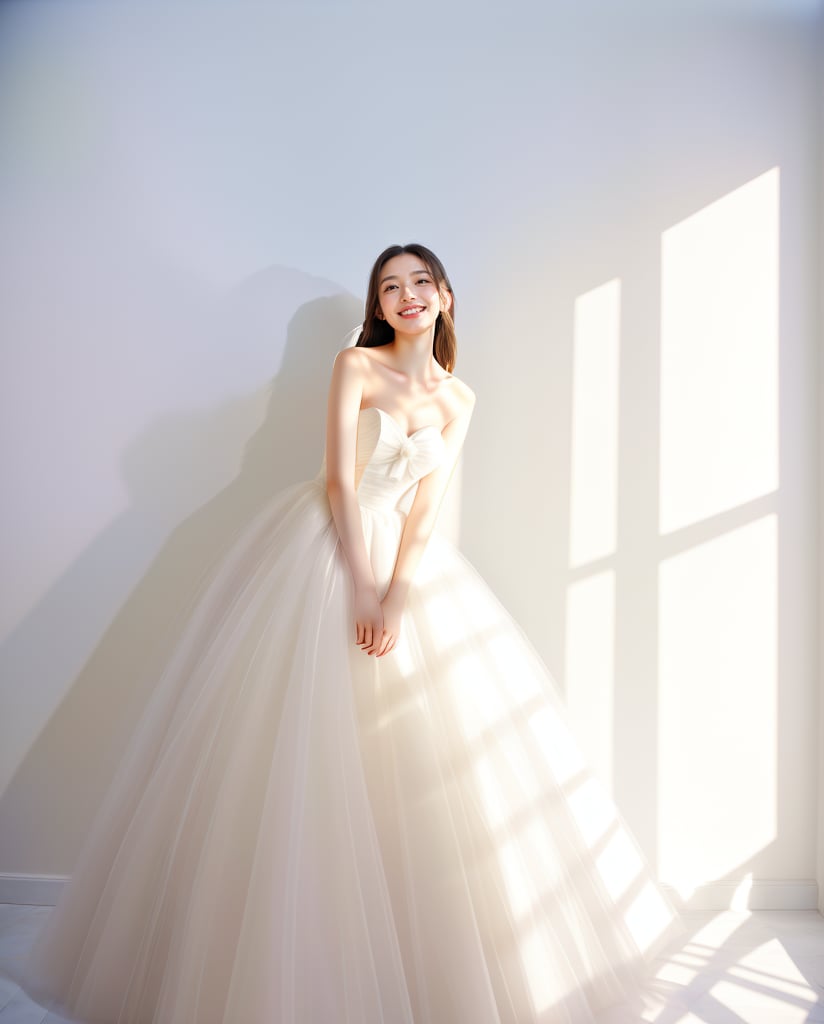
pixel 54 793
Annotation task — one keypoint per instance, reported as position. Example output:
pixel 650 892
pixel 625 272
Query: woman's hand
pixel 392 608
pixel 368 619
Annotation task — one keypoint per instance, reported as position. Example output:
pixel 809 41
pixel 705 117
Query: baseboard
pixel 31 890
pixel 758 894
pixel 44 890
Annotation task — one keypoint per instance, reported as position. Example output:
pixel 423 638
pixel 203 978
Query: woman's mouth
pixel 412 311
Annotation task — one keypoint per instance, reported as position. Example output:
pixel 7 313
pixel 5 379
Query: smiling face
pixel 408 296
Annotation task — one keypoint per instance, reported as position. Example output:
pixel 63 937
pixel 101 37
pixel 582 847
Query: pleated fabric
pixel 301 834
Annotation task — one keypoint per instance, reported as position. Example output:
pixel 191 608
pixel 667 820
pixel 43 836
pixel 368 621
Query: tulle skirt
pixel 301 834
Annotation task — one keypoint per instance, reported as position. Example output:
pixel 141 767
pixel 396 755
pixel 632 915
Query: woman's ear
pixel 446 299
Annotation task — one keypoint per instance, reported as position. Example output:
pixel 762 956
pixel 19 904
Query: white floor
pixel 765 967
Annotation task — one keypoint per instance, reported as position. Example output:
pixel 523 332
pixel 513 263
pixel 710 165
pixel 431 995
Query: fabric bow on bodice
pixel 407 457
pixel 388 461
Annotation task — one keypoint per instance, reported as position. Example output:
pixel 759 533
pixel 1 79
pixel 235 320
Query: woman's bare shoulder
pixel 352 356
pixel 460 403
pixel 352 364
pixel 462 393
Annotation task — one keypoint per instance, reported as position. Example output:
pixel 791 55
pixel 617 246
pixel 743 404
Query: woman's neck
pixel 413 356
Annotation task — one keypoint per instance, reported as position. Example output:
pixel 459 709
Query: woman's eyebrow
pixel 390 277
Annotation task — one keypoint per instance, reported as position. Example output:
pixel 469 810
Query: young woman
pixel 401 367
pixel 353 799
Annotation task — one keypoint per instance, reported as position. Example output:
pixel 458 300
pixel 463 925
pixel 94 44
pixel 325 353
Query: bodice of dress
pixel 389 462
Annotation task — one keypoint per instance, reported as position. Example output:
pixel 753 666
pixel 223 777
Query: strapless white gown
pixel 301 834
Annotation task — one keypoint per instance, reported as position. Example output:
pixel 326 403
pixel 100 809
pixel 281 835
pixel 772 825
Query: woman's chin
pixel 414 327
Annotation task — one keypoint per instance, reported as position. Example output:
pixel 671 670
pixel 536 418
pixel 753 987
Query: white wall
pixel 192 198
pixel 820 873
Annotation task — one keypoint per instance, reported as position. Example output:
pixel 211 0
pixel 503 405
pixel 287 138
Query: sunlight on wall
pixel 590 668
pixel 718 600
pixel 719 355
pixel 741 897
pixel 717 709
pixel 594 443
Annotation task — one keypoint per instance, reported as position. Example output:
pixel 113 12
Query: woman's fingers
pixel 372 638
pixel 368 617
pixel 369 634
pixel 374 643
pixel 387 644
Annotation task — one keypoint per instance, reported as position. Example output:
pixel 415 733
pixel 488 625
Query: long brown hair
pixel 378 332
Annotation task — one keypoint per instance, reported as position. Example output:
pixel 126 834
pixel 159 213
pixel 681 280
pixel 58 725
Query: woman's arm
pixel 419 525
pixel 345 393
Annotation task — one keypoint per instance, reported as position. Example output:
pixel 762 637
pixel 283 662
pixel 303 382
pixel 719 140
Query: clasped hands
pixel 377 623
